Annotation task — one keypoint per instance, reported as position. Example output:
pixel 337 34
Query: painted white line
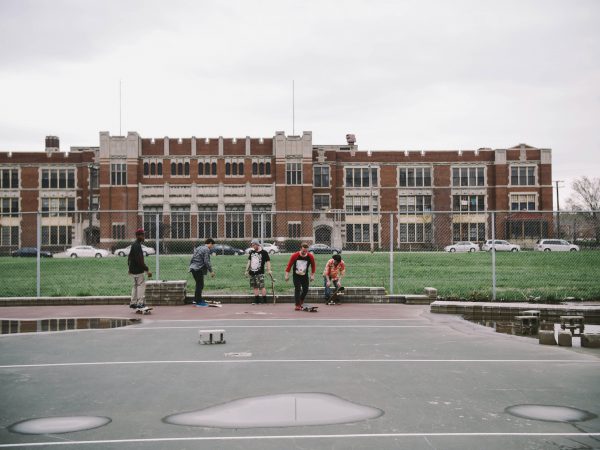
pixel 286 437
pixel 313 361
pixel 150 327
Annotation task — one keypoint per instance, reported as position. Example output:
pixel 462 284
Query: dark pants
pixel 300 288
pixel 334 283
pixel 199 277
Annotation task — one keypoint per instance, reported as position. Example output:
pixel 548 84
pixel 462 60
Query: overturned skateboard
pixel 144 311
pixel 333 300
pixel 214 304
pixel 310 308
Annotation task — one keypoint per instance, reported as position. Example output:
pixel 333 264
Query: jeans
pixel 300 288
pixel 335 283
pixel 138 292
pixel 199 278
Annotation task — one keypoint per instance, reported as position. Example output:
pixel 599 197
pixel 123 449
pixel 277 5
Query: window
pixel 180 168
pixel 522 202
pixel 414 176
pixel 9 178
pixel 526 229
pixel 360 232
pixel 415 232
pixel 360 204
pixel 294 229
pixel 57 207
pixel 180 222
pixel 234 221
pixel 360 177
pixel 9 207
pixel 207 222
pixel 56 235
pixel 468 176
pixel 234 167
pixel 58 178
pixel 146 169
pixel 293 173
pixel 118 231
pixel 522 175
pixel 261 167
pixel 468 203
pixel 321 201
pixel 9 235
pixel 414 204
pixel 321 176
pixel 468 232
pixel 261 221
pixel 207 168
pixel 150 213
pixel 118 174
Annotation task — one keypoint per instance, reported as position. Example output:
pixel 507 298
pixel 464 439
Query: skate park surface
pixel 355 376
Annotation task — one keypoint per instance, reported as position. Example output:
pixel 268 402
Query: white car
pixel 500 246
pixel 125 251
pixel 462 246
pixel 555 245
pixel 86 251
pixel 270 248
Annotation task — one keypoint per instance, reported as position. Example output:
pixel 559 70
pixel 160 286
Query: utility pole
pixel 557 209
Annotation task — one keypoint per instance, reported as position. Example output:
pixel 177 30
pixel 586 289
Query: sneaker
pixel 133 306
pixel 140 306
pixel 298 308
pixel 253 303
pixel 202 304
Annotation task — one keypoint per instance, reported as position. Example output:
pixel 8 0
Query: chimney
pixel 52 144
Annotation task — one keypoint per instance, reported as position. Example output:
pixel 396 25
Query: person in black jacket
pixel 137 267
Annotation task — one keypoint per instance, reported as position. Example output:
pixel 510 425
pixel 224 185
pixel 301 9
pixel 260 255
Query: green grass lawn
pixel 519 275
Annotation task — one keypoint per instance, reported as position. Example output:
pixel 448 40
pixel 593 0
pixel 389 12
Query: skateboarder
pixel 300 262
pixel 137 267
pixel 200 266
pixel 335 269
pixel 258 258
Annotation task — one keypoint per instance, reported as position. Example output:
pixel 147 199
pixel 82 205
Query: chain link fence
pixel 468 254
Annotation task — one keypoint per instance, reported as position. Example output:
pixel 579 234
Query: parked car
pixel 500 246
pixel 125 251
pixel 83 251
pixel 324 249
pixel 462 246
pixel 223 249
pixel 31 251
pixel 270 248
pixel 555 245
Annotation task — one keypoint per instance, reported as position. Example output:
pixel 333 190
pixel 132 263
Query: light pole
pixel 371 209
pixel 557 209
pixel 93 170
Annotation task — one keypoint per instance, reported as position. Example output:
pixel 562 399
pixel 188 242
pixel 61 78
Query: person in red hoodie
pixel 300 262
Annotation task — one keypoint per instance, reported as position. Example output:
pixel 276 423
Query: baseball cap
pixel 255 242
pixel 139 231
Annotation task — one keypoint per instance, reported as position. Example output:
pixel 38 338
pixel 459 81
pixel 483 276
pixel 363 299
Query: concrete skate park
pixel 350 376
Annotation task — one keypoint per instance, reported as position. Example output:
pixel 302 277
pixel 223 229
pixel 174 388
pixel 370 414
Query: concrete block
pixel 430 292
pixel 565 339
pixel 546 337
pixel 590 340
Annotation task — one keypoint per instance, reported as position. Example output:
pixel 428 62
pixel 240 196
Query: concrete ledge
pixel 590 340
pixel 546 337
pixel 565 339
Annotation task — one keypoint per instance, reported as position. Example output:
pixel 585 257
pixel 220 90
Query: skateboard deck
pixel 310 308
pixel 333 300
pixel 273 287
pixel 144 311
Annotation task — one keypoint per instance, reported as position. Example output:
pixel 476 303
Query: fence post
pixel 157 242
pixel 391 253
pixel 39 248
pixel 493 250
pixel 262 228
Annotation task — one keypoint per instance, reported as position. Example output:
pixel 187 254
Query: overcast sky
pixel 401 75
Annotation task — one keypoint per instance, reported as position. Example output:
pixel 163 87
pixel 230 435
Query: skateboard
pixel 310 308
pixel 334 297
pixel 273 287
pixel 144 311
pixel 214 303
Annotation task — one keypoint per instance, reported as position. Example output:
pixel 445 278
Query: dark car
pixel 324 249
pixel 31 251
pixel 222 249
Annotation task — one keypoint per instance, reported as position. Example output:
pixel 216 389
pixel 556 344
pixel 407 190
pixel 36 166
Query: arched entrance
pixel 323 235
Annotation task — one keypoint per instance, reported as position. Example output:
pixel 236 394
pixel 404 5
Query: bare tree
pixel 586 199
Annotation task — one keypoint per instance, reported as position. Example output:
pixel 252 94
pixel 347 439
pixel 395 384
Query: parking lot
pixel 422 381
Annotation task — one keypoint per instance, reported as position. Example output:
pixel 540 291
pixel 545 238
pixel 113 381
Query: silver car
pixel 86 251
pixel 462 246
pixel 555 245
pixel 500 246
